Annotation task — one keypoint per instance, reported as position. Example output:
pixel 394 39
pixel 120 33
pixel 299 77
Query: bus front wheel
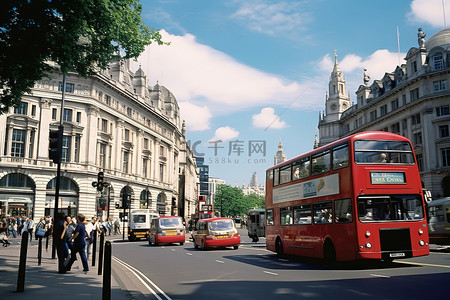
pixel 279 247
pixel 329 253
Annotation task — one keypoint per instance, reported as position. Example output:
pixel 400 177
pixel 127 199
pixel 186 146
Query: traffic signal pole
pixel 58 169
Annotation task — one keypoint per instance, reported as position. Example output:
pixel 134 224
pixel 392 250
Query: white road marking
pixel 270 273
pixel 141 278
pixel 172 250
pixel 219 261
pixel 378 275
pixel 189 254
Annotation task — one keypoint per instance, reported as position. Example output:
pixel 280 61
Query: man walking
pixel 79 244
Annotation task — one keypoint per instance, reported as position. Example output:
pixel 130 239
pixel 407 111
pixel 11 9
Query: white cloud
pixel 197 117
pixel 268 119
pixel 271 18
pixel 429 11
pixel 225 133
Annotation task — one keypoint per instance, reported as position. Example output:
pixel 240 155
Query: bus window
pixel 276 177
pixel 300 168
pixel 340 157
pixel 302 214
pixel 437 213
pixel 320 163
pixel 343 211
pixel 381 152
pixel 285 174
pixel 269 175
pixel 286 215
pixel 323 213
pixel 395 207
pixel 269 219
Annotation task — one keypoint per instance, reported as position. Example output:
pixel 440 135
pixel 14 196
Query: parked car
pixel 216 232
pixel 166 230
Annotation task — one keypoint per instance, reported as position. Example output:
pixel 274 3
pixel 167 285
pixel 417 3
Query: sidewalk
pixel 44 282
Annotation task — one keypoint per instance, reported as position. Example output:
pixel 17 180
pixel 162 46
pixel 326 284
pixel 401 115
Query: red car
pixel 166 230
pixel 216 232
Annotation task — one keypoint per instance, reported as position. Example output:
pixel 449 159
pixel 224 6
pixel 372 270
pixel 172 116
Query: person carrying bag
pixel 40 231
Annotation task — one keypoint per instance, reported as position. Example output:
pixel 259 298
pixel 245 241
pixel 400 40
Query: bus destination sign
pixel 387 177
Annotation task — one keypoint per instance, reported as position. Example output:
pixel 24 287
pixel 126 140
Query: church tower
pixel 336 102
pixel 279 156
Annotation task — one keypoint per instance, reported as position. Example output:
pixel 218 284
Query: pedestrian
pixel 30 228
pixel 58 240
pixel 70 226
pixel 90 232
pixel 41 225
pixel 3 236
pixel 79 244
pixel 110 225
pixel 19 225
pixel 116 226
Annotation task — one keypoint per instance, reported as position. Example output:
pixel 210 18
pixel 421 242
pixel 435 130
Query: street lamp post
pixel 147 190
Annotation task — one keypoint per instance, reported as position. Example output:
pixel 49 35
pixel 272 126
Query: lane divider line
pixel 141 278
pixel 270 273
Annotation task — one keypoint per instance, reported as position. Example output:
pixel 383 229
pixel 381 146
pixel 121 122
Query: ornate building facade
pixel 113 123
pixel 413 101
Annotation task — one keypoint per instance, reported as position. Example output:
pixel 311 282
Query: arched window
pixel 66 184
pixel 438 61
pixel 145 199
pixel 17 180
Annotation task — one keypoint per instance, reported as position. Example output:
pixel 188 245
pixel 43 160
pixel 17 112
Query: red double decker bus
pixel 356 198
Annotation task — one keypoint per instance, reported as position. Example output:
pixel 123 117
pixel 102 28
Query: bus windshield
pixel 383 152
pixel 389 208
pixel 139 218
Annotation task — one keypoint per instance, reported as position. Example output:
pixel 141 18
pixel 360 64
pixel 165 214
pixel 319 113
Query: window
pixel 70 87
pixel 18 143
pixel 415 119
pixel 144 167
pixel 54 113
pixel 369 152
pixel 302 214
pixel 102 156
pixel 129 112
pixel 276 177
pixel 340 157
pixel 419 158
pixel 78 117
pixel 33 110
pixel 437 212
pixel 104 125
pixel 127 135
pixel 320 163
pixel 394 207
pixel 126 161
pixel 286 215
pixel 31 144
pixel 373 115
pixel 146 144
pixel 438 61
pixel 323 213
pixel 343 211
pixel 383 110
pixel 22 109
pixel 442 110
pixel 445 152
pixel 414 94
pixel 300 168
pixel 403 100
pixel 414 66
pixel 395 128
pixel 67 115
pixel 394 105
pixel 443 131
pixel 66 142
pixel 269 217
pixel 440 85
pixel 76 150
pixel 108 99
pixel 161 172
pixel 285 174
pixel 162 151
pixel 417 138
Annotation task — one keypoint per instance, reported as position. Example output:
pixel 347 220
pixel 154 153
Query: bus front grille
pixel 395 240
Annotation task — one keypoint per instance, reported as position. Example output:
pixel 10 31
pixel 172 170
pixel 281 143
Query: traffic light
pixel 102 203
pixel 55 144
pixel 126 199
pixel 100 183
pixel 117 205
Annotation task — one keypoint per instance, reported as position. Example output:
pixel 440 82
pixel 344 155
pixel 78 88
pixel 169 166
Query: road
pixel 252 272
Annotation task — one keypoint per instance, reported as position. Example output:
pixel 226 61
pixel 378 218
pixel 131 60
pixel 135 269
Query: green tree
pixel 79 35
pixel 231 202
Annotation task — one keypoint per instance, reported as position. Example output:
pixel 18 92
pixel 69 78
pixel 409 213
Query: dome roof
pixel 442 38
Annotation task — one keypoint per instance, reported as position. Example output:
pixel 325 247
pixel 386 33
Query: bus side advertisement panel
pixel 319 187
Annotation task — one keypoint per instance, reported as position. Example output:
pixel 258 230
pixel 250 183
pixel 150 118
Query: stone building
pixel 114 123
pixel 413 100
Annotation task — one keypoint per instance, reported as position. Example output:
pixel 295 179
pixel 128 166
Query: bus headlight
pixel 420 231
pixel 421 243
pixel 368 245
pixel 367 234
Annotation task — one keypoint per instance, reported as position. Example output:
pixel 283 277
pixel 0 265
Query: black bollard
pixel 106 293
pixel 100 253
pixel 22 262
pixel 94 248
pixel 40 251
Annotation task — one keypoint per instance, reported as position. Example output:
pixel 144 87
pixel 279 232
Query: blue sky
pixel 252 72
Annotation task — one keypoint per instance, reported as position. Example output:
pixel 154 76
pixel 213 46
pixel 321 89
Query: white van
pixel 140 220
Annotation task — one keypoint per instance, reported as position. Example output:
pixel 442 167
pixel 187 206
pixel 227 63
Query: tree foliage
pixel 231 202
pixel 79 35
